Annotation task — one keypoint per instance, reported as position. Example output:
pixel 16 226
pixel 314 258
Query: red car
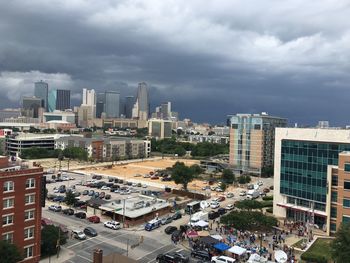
pixel 154 177
pixel 220 199
pixel 94 219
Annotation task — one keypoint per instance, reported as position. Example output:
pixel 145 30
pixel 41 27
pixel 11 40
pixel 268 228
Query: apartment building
pixel 252 141
pixel 20 203
pixel 312 176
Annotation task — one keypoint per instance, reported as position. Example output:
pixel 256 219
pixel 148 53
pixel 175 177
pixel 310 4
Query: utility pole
pixel 124 213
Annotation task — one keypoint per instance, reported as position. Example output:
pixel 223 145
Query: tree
pixel 228 176
pixel 267 171
pixel 249 220
pixel 244 179
pixel 196 169
pixel 182 174
pixel 70 198
pixel 9 252
pixel 49 237
pixel 341 244
pixel 223 186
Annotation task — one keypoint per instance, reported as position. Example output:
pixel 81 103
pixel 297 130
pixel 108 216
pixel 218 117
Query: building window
pixel 9 186
pixel 7 220
pixel 334 180
pixel 8 203
pixel 334 212
pixel 30 183
pixel 333 227
pixel 346 185
pixel 8 237
pixel 30 199
pixel 346 219
pixel 334 197
pixel 28 252
pixel 346 203
pixel 347 167
pixel 29 233
pixel 29 215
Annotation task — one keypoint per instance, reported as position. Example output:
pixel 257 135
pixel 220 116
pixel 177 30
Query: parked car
pixel 108 196
pixel 154 177
pixel 112 225
pixel 85 192
pixel 102 195
pixel 91 192
pixel 222 211
pixel 222 259
pixel 79 234
pixel 243 193
pixel 176 216
pixel 266 190
pixel 230 207
pixel 105 188
pixel 172 258
pixel 55 208
pixel 166 220
pixel 97 194
pixel 94 219
pixel 218 189
pixel 214 205
pixel 68 211
pixel 220 199
pixel 230 195
pixel 213 215
pixel 260 183
pixel 202 254
pixel 144 186
pixel 271 187
pixel 89 231
pixel 80 215
pixel 59 198
pixel 170 229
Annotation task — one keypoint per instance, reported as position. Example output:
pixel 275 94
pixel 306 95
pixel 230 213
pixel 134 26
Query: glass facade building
pixel 62 99
pixel 112 104
pixel 41 90
pixel 52 100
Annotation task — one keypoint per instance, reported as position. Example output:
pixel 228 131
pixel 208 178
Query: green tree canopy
pixel 9 253
pixel 182 174
pixel 340 247
pixel 75 153
pixel 228 176
pixel 244 179
pixel 249 204
pixel 70 198
pixel 49 237
pixel 249 220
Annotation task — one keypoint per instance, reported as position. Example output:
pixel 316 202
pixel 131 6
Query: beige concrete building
pixel 252 141
pixel 159 128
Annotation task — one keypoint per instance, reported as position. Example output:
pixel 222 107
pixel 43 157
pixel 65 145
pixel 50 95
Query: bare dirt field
pixel 128 171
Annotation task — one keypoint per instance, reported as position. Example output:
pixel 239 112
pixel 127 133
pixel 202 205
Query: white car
pixel 65 178
pixel 260 183
pixel 144 186
pixel 230 207
pixel 105 188
pixel 79 234
pixel 214 205
pixel 146 176
pixel 112 225
pixel 243 193
pixel 218 189
pixel 222 259
pixel 230 195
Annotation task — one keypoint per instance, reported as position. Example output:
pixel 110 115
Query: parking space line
pixel 87 259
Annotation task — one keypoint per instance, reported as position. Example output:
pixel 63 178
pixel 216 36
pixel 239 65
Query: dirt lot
pixel 128 171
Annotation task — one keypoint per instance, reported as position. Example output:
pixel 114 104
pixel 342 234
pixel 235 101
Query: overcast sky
pixel 209 57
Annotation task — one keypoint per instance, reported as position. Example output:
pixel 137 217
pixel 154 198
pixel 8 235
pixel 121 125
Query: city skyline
pixel 209 60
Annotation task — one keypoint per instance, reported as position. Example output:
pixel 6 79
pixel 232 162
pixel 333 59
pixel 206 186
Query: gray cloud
pixel 289 58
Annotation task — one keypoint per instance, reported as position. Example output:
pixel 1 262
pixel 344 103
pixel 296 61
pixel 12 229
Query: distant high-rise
pixel 112 104
pixel 142 102
pixel 41 90
pixel 100 104
pixel 165 110
pixel 30 106
pixel 129 103
pixel 89 99
pixel 63 99
pixel 52 100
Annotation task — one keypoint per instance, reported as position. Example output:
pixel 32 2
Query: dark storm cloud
pixel 288 58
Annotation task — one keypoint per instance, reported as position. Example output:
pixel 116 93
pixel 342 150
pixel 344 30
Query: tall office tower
pixel 252 139
pixel 89 99
pixel 142 101
pixel 30 106
pixel 100 104
pixel 22 197
pixel 52 100
pixel 312 176
pixel 62 99
pixel 112 104
pixel 129 103
pixel 41 90
pixel 165 110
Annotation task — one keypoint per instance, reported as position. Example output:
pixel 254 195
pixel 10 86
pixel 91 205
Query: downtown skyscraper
pixel 141 107
pixel 41 90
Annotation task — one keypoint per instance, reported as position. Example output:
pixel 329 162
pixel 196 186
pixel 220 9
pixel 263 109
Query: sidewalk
pixel 65 254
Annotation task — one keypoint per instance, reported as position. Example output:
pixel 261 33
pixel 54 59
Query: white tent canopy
pixel 217 237
pixel 201 223
pixel 237 250
pixel 255 258
pixel 281 256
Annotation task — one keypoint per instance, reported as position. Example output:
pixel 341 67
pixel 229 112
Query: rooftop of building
pixel 36 136
pixel 14 165
pixel 260 115
pixel 135 206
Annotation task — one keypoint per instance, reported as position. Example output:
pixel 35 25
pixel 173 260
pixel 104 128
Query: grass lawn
pixel 321 247
pixel 299 243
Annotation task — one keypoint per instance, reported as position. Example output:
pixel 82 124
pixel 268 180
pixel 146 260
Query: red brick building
pixel 20 208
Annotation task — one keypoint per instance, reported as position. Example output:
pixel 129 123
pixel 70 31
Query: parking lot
pixel 121 241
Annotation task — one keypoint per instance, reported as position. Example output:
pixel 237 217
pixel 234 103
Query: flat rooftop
pixel 135 206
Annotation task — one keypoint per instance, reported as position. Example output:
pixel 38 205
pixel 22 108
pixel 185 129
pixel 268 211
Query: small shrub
pixel 269 210
pixel 267 198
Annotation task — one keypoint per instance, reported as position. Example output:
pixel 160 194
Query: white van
pixel 222 259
